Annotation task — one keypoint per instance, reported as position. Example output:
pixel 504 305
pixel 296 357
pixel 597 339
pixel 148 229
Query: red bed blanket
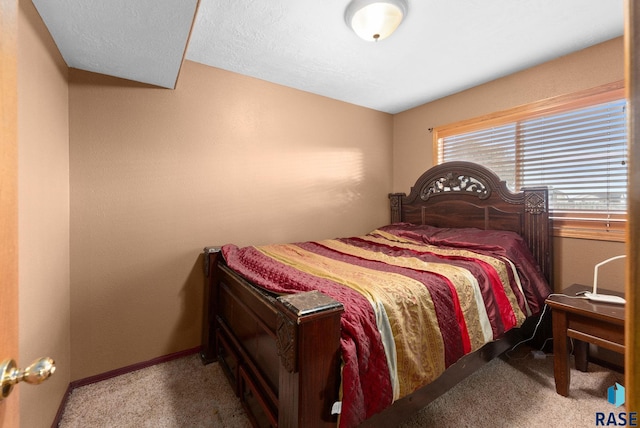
pixel 416 299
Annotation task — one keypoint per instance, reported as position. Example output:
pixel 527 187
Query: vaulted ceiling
pixel 442 46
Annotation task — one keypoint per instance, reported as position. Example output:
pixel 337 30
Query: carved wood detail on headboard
pixel 455 182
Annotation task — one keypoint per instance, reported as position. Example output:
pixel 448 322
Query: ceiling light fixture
pixel 375 20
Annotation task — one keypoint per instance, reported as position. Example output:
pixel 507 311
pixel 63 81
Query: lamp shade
pixel 375 20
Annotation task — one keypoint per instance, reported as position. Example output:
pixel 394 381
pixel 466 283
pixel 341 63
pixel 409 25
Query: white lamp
pixel 603 297
pixel 375 20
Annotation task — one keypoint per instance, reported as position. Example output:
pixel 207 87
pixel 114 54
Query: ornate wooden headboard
pixel 465 194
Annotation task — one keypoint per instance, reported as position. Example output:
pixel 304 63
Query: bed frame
pixel 282 353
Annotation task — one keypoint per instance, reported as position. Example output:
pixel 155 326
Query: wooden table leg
pixel 581 351
pixel 561 371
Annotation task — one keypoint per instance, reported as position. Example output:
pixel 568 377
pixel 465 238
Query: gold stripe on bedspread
pixel 407 303
pixel 499 265
pixel 466 286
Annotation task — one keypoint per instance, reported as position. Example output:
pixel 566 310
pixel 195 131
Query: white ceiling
pixel 442 47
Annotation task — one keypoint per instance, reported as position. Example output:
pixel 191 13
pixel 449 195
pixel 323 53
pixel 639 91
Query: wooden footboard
pixel 281 354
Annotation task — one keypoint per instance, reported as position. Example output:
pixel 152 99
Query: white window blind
pixel 581 155
pixel 494 148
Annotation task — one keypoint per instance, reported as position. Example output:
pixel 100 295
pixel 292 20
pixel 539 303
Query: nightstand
pixel 601 324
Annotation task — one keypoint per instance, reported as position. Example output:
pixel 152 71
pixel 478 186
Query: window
pixel 576 145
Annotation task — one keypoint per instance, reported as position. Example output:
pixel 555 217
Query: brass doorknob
pixel 36 373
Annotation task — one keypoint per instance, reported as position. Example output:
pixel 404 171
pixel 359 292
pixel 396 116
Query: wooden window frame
pixel 563 227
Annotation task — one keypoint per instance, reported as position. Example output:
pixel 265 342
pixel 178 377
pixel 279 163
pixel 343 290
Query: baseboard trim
pixel 62 406
pixel 117 372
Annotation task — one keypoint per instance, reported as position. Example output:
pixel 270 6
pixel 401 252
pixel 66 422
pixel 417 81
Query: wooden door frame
pixel 9 408
pixel 632 77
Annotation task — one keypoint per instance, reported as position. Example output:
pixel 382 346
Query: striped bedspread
pixel 416 298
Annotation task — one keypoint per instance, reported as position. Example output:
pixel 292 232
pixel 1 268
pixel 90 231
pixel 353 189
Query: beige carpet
pixel 178 393
pixel 520 392
pixel 508 392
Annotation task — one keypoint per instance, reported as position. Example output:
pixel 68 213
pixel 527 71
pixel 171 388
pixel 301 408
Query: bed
pixel 304 346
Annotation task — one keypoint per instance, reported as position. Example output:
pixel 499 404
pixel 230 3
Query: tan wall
pixel 156 175
pixel 43 185
pixel 412 149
